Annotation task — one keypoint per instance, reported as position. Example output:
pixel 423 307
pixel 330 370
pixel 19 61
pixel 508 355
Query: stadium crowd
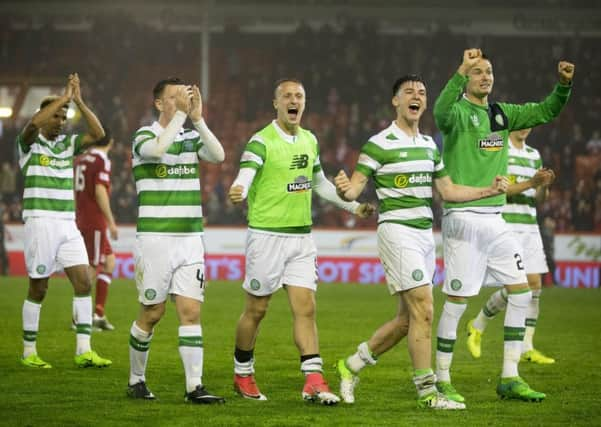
pixel 346 71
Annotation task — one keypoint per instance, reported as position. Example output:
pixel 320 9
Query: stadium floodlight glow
pixel 70 113
pixel 5 112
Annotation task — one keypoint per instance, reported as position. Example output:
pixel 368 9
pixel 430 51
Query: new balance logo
pixel 299 161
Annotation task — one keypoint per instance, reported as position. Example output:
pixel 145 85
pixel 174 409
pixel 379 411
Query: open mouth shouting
pixel 414 107
pixel 292 113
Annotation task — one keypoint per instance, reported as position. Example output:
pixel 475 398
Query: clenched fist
pixel 235 194
pixel 470 58
pixel 343 184
pixel 500 184
pixel 566 72
pixel 365 210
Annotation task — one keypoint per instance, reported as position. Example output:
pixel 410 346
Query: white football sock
pixel 446 336
pixel 495 303
pixel 515 317
pixel 139 346
pixel 531 319
pixel 82 307
pixel 361 358
pixel 31 324
pixel 191 352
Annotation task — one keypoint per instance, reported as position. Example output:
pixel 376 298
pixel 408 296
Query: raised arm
pixel 444 115
pixel 536 113
pixel 155 146
pixel 211 150
pixel 43 116
pixel 451 192
pixel 95 130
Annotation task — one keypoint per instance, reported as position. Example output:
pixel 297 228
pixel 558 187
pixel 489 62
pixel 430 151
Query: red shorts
pixel 97 245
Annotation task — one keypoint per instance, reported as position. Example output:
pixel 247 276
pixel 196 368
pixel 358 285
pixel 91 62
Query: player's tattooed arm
pixel 451 192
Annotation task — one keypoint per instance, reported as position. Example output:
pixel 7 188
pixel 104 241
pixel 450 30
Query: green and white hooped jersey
pixel 403 168
pixel 520 211
pixel 48 170
pixel 169 197
pixel 279 199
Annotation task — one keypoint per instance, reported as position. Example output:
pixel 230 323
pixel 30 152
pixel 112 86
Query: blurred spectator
pixel 582 208
pixel 4 263
pixel 597 201
pixel 8 180
pixel 566 167
pixel 547 232
pixel 593 146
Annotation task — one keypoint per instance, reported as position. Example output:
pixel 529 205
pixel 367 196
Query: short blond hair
pixel 279 82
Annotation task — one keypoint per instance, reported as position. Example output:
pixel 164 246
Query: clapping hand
pixel 195 104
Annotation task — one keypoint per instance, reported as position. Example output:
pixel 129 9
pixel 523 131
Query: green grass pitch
pixel 569 330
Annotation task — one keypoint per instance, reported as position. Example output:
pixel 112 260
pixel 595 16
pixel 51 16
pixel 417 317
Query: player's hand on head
pixel 195 104
pixel 365 210
pixel 236 194
pixel 566 72
pixel 470 58
pixel 182 99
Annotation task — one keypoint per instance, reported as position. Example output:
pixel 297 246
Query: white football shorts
pixel 535 261
pixel 52 244
pixel 274 260
pixel 407 254
pixel 169 265
pixel 479 246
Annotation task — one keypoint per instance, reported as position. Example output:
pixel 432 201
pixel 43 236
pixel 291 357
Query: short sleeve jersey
pixel 403 168
pixel 168 188
pixel 475 137
pixel 279 199
pixel 520 211
pixel 92 168
pixel 48 170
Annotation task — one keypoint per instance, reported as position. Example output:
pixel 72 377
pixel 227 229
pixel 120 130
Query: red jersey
pixel 91 168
